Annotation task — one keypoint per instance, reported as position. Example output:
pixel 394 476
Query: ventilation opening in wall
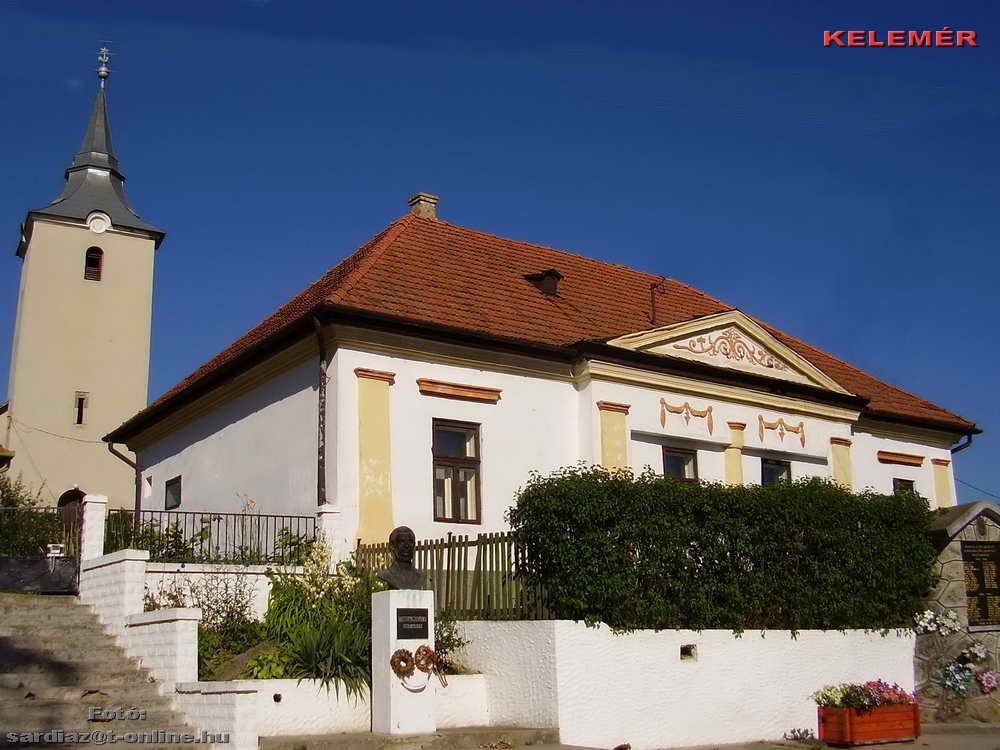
pixel 689 652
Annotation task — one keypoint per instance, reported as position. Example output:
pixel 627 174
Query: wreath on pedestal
pixel 404 664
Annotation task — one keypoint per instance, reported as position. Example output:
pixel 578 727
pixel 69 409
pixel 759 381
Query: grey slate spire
pixel 93 179
pixel 96 149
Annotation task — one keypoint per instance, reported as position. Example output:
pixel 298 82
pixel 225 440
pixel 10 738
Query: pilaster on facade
pixel 374 455
pixel 734 453
pixel 841 468
pixel 614 434
pixel 944 486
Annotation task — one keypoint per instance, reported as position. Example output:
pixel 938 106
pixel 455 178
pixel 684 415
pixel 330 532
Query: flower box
pixel 846 727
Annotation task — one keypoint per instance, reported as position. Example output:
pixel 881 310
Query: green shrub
pixel 16 493
pixel 273 664
pixel 447 641
pixel 336 652
pixel 654 552
pixel 322 622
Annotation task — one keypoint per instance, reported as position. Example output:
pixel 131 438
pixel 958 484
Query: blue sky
pixel 848 196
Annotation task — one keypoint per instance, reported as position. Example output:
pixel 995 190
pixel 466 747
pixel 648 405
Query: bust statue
pixel 401 574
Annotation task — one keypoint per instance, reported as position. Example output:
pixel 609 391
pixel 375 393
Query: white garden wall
pixel 604 689
pixel 518 662
pixel 249 709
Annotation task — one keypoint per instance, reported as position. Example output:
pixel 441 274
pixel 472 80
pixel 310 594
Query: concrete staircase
pixel 56 663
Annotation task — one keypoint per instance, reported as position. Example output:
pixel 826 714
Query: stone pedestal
pixel 397 709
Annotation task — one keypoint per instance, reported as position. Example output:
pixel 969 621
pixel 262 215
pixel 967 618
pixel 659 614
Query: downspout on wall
pixel 138 481
pixel 324 363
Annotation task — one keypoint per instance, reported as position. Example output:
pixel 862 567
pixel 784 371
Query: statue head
pixel 403 544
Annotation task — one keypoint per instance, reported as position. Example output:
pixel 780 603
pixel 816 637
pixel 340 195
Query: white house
pixel 421 379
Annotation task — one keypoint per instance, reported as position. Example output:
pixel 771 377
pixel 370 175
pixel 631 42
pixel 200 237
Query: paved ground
pixel 952 738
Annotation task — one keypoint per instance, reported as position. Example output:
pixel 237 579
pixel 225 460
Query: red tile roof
pixel 432 272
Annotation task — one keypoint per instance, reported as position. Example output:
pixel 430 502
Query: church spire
pixel 96 149
pixel 94 182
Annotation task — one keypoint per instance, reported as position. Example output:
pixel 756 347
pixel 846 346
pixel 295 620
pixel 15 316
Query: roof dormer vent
pixel 547 281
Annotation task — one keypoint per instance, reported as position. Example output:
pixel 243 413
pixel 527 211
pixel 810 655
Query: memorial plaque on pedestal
pixel 411 623
pixel 982 587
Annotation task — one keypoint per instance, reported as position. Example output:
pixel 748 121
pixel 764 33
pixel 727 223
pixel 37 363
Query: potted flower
pixel 866 714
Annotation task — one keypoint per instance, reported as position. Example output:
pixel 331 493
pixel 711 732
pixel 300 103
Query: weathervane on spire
pixel 103 71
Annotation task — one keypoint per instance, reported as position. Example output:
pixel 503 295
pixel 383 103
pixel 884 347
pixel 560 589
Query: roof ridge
pixel 530 244
pixel 805 344
pixel 381 242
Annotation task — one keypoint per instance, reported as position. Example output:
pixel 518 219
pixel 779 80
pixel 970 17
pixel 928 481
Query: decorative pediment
pixel 730 340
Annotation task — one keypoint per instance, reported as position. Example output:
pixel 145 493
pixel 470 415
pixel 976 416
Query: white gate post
pixel 95 513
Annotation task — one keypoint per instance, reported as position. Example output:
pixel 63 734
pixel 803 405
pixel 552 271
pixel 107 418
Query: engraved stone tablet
pixel 982 587
pixel 411 624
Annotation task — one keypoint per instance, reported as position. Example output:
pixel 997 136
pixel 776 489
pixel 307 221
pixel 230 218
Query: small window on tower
pixel 92 265
pixel 80 408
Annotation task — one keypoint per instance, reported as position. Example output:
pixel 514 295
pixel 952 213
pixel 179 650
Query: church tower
pixel 80 360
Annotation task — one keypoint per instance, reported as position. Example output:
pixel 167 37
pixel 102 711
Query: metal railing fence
pixel 27 532
pixel 186 536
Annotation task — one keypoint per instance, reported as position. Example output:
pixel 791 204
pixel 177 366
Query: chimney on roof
pixel 423 205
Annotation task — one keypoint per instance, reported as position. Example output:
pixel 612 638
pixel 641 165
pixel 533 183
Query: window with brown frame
pixel 680 464
pixel 773 471
pixel 899 486
pixel 93 263
pixel 455 449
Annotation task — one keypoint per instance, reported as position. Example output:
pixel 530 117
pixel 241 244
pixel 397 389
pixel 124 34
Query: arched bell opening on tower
pixel 93 264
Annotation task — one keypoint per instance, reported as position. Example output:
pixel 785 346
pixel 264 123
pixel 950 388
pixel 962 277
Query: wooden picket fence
pixel 472 578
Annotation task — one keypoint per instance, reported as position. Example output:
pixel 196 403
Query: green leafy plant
pixel 654 552
pixel 334 651
pixel 273 664
pixel 169 595
pixel 16 493
pixel 447 641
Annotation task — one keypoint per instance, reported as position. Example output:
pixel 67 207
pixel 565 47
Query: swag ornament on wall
pixel 687 412
pixel 781 427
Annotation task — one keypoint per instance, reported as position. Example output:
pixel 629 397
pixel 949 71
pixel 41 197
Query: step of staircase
pixel 56 663
pixel 444 739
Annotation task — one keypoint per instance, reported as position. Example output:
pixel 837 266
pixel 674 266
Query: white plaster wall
pixel 648 434
pixel 739 689
pixel 162 577
pixel 518 662
pixel 114 586
pixel 165 642
pixel 305 708
pixel 532 427
pixel 601 689
pixel 463 703
pixel 262 445
pixel 279 708
pixel 869 473
pixel 220 708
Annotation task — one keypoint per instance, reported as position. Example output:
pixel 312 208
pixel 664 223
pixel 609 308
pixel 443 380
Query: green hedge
pixel 648 552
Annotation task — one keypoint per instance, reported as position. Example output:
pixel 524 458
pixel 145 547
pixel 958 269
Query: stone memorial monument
pixel 968 563
pixel 402 623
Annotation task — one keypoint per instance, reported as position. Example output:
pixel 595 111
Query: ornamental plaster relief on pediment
pixel 729 340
